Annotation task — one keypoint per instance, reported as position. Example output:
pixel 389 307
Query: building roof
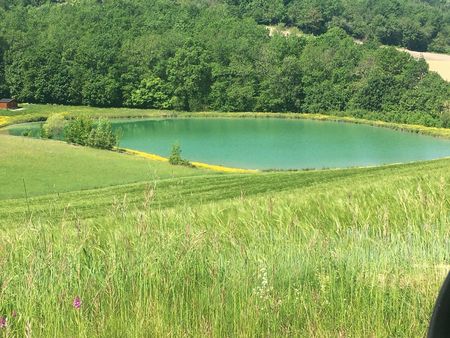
pixel 6 100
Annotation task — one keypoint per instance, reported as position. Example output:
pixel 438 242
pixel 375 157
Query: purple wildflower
pixel 3 322
pixel 77 302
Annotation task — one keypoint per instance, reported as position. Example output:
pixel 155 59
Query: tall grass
pixel 359 260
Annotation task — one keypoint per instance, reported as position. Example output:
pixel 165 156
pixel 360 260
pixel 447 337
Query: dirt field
pixel 439 63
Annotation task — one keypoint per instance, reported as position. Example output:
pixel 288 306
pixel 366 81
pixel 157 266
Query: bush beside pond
pixel 81 130
pixel 84 131
pixel 175 157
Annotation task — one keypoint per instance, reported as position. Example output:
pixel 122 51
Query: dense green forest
pixel 213 55
pixel 415 24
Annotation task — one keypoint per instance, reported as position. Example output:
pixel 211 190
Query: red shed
pixel 8 104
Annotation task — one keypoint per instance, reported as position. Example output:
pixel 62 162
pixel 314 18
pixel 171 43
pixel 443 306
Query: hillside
pixel 416 25
pixel 203 56
pixel 98 240
pixel 439 63
pixel 358 251
pixel 55 167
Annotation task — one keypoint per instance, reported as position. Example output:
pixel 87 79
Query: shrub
pixel 151 93
pixel 78 130
pixel 54 126
pixel 26 133
pixel 85 132
pixel 102 136
pixel 175 156
pixel 445 117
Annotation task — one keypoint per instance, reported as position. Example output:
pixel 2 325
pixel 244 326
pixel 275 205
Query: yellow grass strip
pixel 223 169
pixel 3 120
pixel 153 157
pixel 201 165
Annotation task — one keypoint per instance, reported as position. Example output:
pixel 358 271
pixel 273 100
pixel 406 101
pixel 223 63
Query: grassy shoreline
pixel 180 252
pixel 35 113
pixel 198 165
pixel 358 252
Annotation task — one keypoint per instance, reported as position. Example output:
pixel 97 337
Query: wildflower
pixel 3 322
pixel 77 302
pixel 263 291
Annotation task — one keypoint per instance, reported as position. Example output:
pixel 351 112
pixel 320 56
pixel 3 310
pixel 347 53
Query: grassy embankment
pixel 49 167
pixel 37 112
pixel 354 253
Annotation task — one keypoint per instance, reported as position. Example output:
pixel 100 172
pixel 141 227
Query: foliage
pixel 26 133
pixel 286 251
pixel 200 55
pixel 4 92
pixel 78 130
pixel 84 131
pixel 175 156
pixel 54 126
pixel 417 25
pixel 152 93
pixel 446 115
pixel 102 135
pixel 189 75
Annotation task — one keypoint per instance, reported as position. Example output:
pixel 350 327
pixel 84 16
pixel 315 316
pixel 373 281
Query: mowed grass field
pixel 183 253
pixel 49 167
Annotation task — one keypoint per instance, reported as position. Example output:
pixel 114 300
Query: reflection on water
pixel 279 143
pixel 273 143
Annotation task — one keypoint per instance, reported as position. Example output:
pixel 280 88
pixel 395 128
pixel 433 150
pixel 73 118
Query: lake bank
pixel 241 145
pixel 38 112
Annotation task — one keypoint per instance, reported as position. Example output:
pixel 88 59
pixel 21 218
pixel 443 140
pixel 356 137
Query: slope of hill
pixel 412 24
pixel 54 167
pixel 361 252
pixel 439 63
pixel 201 55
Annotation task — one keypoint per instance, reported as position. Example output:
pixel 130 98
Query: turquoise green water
pixel 274 143
pixel 280 143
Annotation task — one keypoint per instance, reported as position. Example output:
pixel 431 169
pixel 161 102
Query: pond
pixel 274 143
pixel 279 143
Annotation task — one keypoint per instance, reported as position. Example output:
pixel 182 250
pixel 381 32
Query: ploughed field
pixel 106 244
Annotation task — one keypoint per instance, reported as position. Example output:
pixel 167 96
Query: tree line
pixel 201 55
pixel 413 24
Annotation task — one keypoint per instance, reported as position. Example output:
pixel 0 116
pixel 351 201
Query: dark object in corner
pixel 440 320
pixel 8 104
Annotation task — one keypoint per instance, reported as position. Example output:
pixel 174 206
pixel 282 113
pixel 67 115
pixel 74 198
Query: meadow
pixel 182 252
pixel 113 243
pixel 49 167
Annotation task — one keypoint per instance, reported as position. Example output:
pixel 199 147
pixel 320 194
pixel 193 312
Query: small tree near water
pixel 85 132
pixel 102 136
pixel 54 126
pixel 175 156
pixel 77 131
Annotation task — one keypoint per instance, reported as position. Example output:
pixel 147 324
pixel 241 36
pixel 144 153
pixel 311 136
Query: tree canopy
pixel 199 55
pixel 414 24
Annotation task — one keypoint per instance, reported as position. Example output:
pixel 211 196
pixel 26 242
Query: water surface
pixel 279 143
